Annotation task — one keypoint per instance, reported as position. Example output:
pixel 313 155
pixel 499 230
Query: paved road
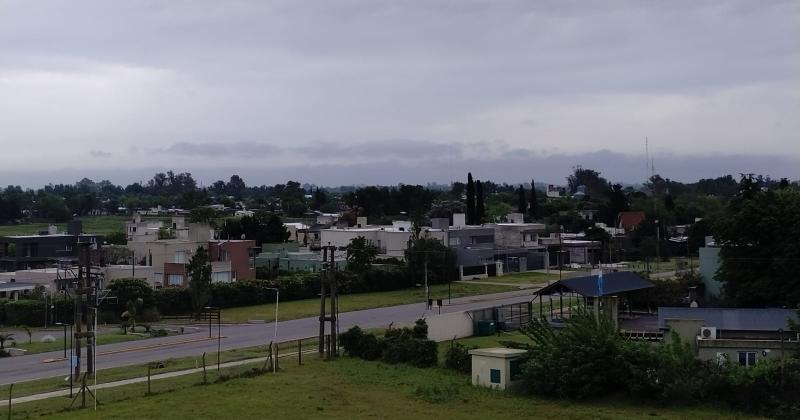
pixel 22 368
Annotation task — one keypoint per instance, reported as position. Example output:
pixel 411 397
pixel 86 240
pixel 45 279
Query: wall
pixel 687 329
pixel 448 326
pixel 765 349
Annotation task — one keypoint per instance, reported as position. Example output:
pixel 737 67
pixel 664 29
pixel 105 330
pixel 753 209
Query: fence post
pixel 276 358
pixel 204 369
pixel 10 388
pixel 148 378
pixel 299 352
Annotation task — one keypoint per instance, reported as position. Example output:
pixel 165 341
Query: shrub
pixel 415 352
pixel 27 312
pixel 457 357
pixel 351 341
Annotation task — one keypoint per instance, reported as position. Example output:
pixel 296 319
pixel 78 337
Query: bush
pixel 457 357
pixel 356 343
pixel 399 345
pixel 27 312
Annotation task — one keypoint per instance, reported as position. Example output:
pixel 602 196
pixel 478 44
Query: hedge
pixel 31 312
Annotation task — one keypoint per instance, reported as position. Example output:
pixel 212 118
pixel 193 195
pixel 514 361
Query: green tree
pixel 361 253
pixel 759 254
pixel 441 260
pixel 470 199
pixel 202 214
pixel 117 238
pixel 522 203
pixel 480 207
pixel 533 208
pixel 199 271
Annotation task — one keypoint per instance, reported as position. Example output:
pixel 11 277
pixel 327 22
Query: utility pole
pixel 328 286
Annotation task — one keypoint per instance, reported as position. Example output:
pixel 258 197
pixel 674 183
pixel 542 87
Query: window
pixel 175 279
pixel 747 358
pixel 180 257
pixel 221 277
pixel 456 241
pixel 494 376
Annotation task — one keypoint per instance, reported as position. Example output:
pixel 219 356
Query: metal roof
pixel 746 319
pixel 613 283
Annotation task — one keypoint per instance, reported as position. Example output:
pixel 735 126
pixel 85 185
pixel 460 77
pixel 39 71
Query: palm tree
pixel 3 338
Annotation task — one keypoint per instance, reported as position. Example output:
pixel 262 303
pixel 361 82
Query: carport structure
pixel 600 293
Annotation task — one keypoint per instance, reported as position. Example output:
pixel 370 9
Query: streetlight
pixel 64 324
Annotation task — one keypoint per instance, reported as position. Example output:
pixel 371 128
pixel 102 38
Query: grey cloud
pixel 220 149
pixel 100 154
pixel 399 148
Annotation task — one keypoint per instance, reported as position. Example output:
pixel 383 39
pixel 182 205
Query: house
pixel 298 232
pixel 571 248
pixel 554 191
pixel 289 257
pixel 630 220
pixel 167 250
pixel 392 241
pixel 42 250
pixel 737 335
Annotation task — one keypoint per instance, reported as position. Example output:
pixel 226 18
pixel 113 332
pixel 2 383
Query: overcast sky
pixel 358 92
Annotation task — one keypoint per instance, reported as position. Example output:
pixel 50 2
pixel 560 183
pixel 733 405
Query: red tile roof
pixel 630 219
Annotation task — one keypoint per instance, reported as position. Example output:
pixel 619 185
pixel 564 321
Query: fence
pixel 152 378
pixel 508 317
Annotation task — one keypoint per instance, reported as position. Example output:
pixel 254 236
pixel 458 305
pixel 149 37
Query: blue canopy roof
pixel 587 286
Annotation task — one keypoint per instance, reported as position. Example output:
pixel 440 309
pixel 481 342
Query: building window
pixel 747 358
pixel 175 279
pixel 221 277
pixel 454 241
pixel 180 257
pixel 494 376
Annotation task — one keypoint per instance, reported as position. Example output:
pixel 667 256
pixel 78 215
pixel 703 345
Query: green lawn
pixel 522 278
pixel 310 307
pixel 102 225
pixel 345 389
pixel 39 347
pixel 665 266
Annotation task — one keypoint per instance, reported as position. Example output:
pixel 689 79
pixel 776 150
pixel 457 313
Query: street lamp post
pixel 64 324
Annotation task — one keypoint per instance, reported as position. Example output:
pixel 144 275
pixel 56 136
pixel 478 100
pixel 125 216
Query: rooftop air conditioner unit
pixel 708 333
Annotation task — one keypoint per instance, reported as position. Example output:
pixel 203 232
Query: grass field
pixel 345 389
pixel 101 225
pixel 310 307
pixel 39 347
pixel 522 278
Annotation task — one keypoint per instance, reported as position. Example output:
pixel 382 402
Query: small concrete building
pixel 497 367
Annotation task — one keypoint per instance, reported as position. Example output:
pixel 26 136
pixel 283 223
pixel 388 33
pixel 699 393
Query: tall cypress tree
pixel 470 200
pixel 533 208
pixel 480 211
pixel 522 205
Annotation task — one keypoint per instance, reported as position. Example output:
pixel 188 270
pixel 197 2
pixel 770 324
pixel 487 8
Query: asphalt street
pixel 23 368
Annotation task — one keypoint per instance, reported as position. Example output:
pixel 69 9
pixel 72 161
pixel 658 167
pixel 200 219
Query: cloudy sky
pixel 341 92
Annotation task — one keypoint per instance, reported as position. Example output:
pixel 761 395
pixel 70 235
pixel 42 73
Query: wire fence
pixel 156 377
